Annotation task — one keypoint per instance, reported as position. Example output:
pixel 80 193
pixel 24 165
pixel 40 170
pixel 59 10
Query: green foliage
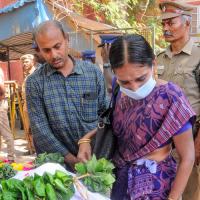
pixel 49 187
pixel 100 177
pixel 135 14
pixel 6 172
pixel 96 174
pixel 51 157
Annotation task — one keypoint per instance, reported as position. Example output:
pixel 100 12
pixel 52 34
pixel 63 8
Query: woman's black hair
pixel 132 48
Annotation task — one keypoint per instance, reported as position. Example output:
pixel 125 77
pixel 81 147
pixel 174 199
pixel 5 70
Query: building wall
pixel 16 71
pixel 15 66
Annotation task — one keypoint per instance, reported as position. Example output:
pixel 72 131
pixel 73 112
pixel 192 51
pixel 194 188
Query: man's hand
pixel 105 53
pixel 197 148
pixel 84 153
pixel 71 160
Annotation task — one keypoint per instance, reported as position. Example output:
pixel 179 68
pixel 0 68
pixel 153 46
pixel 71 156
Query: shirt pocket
pixel 179 76
pixel 89 108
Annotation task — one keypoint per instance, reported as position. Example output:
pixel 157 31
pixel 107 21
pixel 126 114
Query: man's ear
pixel 188 23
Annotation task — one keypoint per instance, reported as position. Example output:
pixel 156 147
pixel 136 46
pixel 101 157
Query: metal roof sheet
pixel 18 45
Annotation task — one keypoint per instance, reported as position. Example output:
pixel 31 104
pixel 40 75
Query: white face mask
pixel 141 92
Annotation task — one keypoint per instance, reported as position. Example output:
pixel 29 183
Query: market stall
pixel 46 179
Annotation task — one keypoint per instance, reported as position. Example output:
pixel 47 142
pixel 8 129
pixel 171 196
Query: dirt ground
pixel 21 152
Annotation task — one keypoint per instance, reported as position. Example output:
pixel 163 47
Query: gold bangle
pixel 81 141
pixel 84 140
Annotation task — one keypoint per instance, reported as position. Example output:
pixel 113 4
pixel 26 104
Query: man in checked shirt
pixel 64 97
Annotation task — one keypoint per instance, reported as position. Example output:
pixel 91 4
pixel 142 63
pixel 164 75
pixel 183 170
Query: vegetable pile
pixel 97 175
pixel 6 172
pixel 51 157
pixel 47 187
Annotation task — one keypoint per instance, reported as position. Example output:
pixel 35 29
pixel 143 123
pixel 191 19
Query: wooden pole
pixel 9 67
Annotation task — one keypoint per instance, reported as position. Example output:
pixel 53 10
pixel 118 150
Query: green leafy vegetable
pixel 51 157
pixel 6 172
pixel 46 187
pixel 39 186
pixel 51 194
pixel 97 175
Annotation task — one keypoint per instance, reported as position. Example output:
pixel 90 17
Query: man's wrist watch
pixel 106 65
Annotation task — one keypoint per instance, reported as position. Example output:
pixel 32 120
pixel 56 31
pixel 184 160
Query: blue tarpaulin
pixel 21 17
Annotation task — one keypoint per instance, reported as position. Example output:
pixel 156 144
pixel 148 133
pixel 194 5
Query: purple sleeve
pixel 186 127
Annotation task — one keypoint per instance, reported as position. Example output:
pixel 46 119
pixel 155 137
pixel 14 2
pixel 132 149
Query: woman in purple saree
pixel 149 115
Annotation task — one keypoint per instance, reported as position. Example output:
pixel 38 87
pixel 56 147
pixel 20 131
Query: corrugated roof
pixel 16 5
pixel 18 45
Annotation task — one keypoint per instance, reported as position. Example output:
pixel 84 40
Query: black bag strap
pixel 108 112
pixel 114 94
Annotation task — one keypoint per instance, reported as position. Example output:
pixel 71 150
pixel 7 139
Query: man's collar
pixel 186 49
pixel 77 67
pixel 76 70
pixel 50 69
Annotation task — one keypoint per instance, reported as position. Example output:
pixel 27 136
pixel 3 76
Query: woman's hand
pixel 185 148
pixel 71 160
pixel 85 150
pixel 84 153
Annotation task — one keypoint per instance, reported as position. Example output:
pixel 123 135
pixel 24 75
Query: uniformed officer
pixel 27 61
pixel 177 63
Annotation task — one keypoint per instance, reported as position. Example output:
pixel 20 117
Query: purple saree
pixel 141 127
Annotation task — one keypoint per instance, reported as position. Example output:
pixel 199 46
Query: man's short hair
pixel 27 56
pixel 56 23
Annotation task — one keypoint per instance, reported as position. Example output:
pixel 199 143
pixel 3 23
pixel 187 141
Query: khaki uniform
pixel 27 128
pixel 179 69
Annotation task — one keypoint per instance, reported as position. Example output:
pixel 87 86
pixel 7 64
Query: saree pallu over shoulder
pixel 143 126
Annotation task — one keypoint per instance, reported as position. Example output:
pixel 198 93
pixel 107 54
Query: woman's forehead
pixel 131 71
